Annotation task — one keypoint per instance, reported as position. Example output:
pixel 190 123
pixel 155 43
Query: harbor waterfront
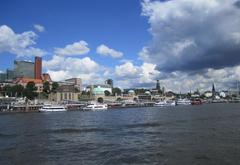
pixel 206 134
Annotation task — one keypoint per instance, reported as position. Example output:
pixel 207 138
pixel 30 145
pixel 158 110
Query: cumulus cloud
pixel 106 51
pixel 194 44
pixel 39 28
pixel 75 49
pixel 61 68
pixel 192 35
pixel 19 44
pixel 130 75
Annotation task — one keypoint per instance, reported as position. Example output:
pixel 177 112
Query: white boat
pixel 52 108
pixel 183 102
pixel 165 103
pixel 96 107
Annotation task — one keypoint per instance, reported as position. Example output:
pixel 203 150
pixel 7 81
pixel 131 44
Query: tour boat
pixel 52 108
pixel 183 102
pixel 165 103
pixel 96 107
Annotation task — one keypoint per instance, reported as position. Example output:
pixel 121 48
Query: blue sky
pixel 135 42
pixel 118 24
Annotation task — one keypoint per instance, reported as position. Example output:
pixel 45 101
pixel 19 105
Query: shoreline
pixel 36 109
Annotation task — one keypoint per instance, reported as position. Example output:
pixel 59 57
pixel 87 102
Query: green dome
pixel 98 91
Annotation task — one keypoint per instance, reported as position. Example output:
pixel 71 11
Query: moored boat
pixel 196 102
pixel 52 108
pixel 183 101
pixel 165 103
pixel 96 107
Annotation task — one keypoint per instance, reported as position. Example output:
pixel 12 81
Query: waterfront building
pixel 77 82
pixel 131 93
pixel 99 89
pixel 145 97
pixel 24 81
pixel 65 93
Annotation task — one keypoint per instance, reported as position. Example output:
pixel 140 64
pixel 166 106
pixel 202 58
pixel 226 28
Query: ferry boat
pixel 96 107
pixel 52 108
pixel 183 102
pixel 165 103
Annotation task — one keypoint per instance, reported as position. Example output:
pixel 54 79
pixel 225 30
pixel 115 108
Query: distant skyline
pixel 186 44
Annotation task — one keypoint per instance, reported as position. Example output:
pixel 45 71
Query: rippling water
pixel 207 134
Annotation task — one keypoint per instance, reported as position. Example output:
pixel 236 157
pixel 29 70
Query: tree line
pixel 29 91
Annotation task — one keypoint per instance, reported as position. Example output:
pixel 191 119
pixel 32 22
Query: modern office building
pixel 3 77
pixel 23 69
pixel 10 74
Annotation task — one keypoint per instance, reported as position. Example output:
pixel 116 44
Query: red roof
pixel 26 80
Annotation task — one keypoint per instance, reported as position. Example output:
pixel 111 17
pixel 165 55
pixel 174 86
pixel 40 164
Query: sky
pixel 186 44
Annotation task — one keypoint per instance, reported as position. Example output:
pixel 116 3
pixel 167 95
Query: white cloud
pixel 127 70
pixel 236 37
pixel 77 48
pixel 39 28
pixel 187 34
pixel 106 51
pixel 190 47
pixel 61 68
pixel 130 75
pixel 19 44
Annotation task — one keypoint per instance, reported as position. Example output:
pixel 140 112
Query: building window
pixel 69 95
pixel 65 96
pixel 61 98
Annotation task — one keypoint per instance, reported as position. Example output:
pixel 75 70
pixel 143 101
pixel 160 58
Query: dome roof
pixel 147 92
pixel 98 90
pixel 131 91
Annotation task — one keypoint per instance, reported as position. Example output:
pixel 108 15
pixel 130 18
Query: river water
pixel 182 135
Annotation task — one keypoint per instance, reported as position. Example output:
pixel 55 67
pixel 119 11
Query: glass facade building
pixel 3 77
pixel 23 69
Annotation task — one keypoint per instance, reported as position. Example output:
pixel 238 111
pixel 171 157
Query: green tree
pixel 46 89
pixel 55 86
pixel 17 90
pixel 30 91
pixel 107 93
pixel 116 91
pixel 85 93
pixel 7 90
